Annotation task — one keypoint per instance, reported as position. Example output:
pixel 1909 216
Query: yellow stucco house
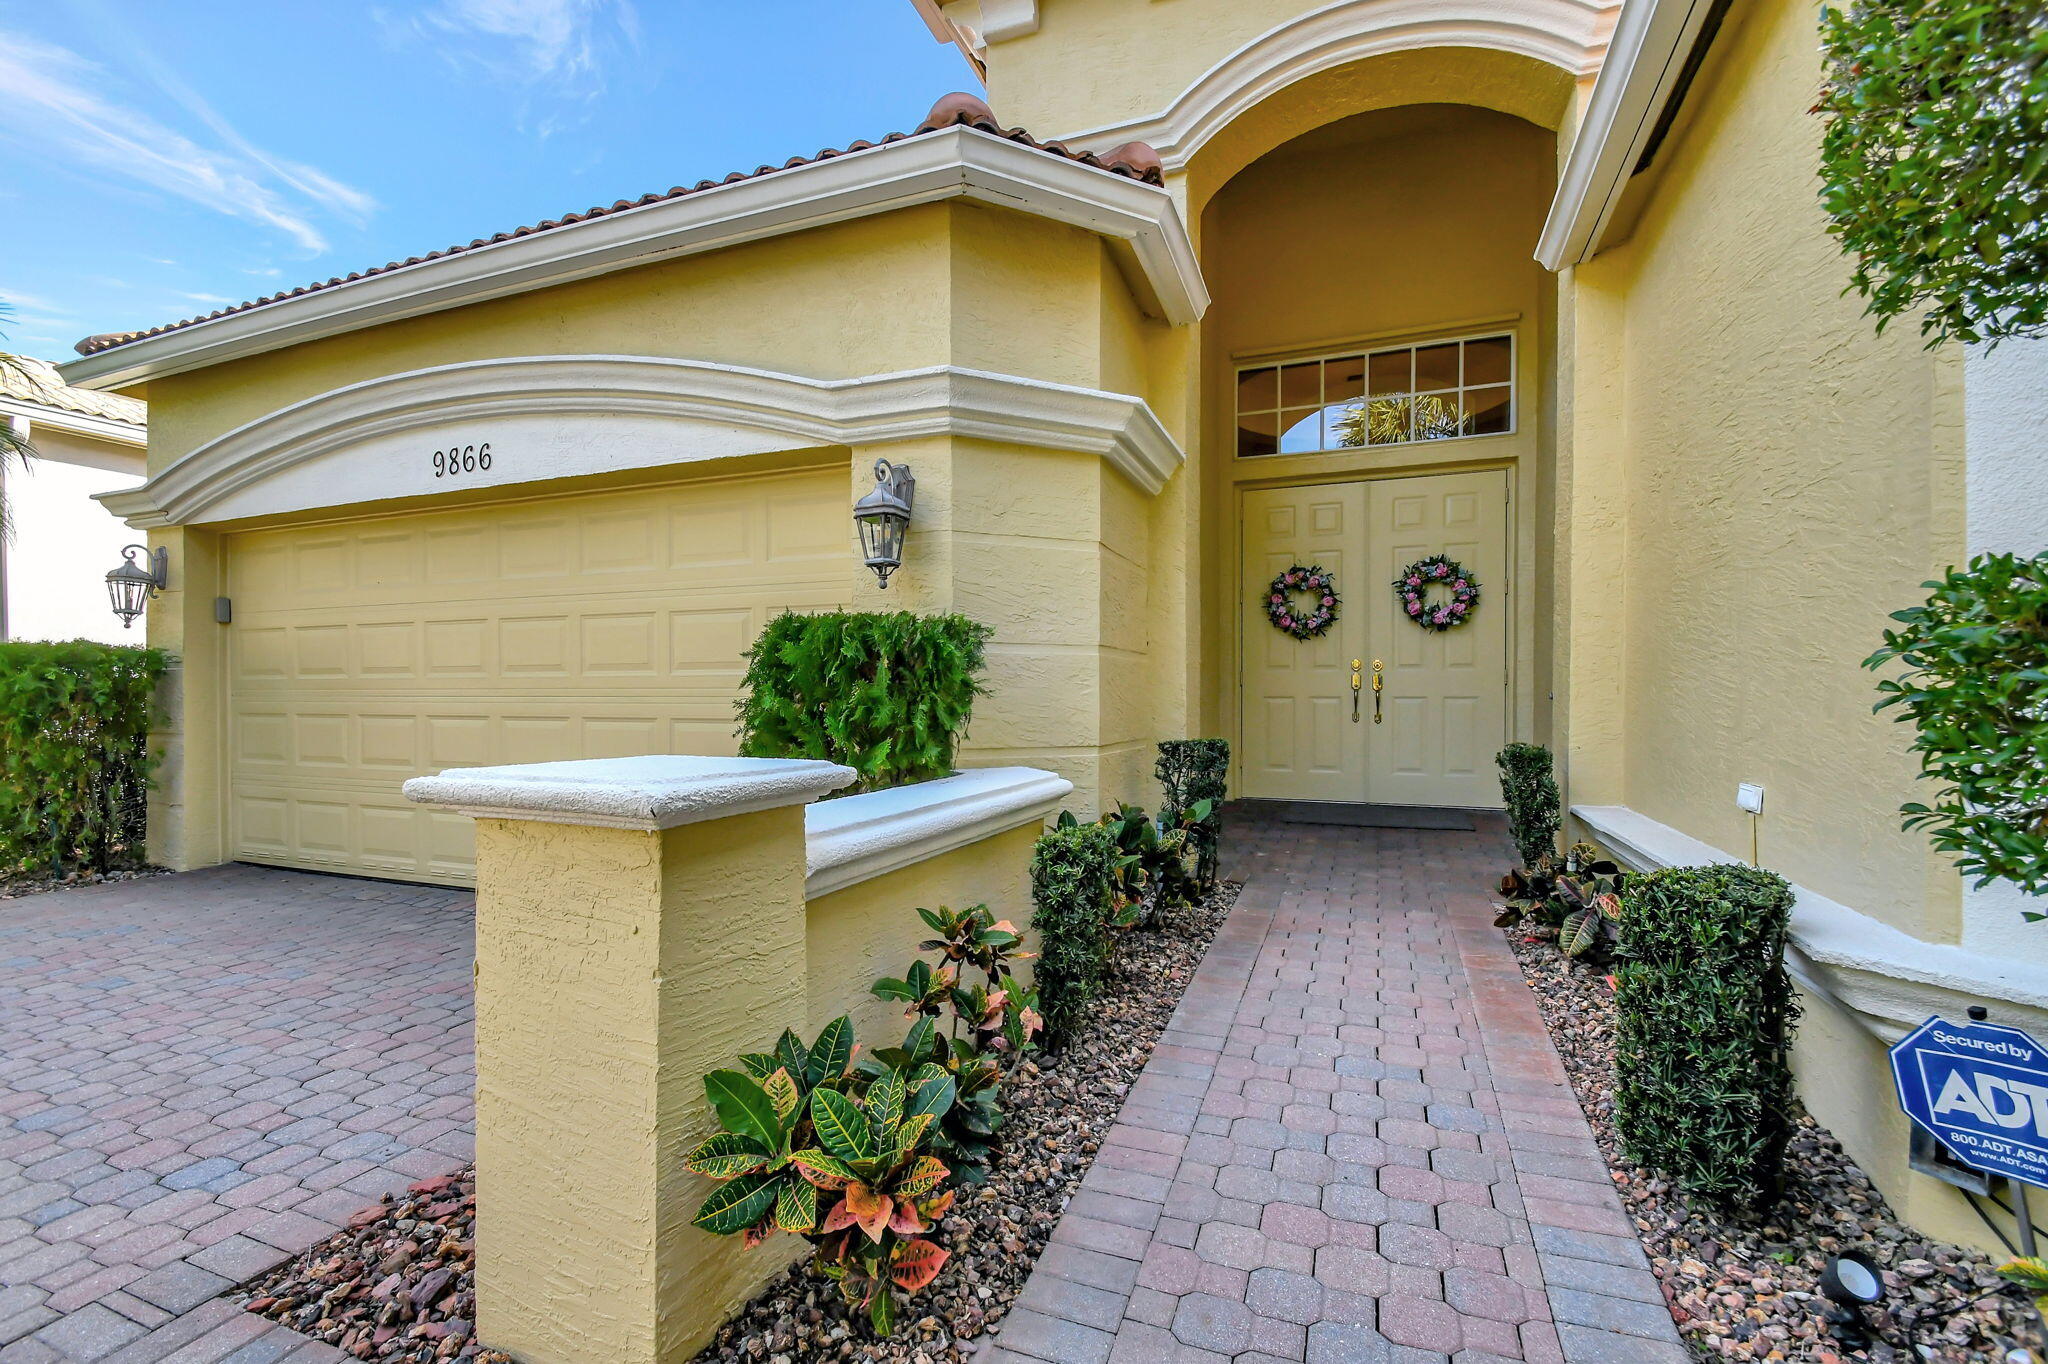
pixel 1541 285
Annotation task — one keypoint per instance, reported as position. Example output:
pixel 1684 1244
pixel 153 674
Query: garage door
pixel 602 625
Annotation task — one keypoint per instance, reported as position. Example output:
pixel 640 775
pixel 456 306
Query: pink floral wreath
pixel 1437 570
pixel 1280 608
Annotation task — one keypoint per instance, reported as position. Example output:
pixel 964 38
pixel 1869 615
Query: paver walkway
pixel 203 1074
pixel 1355 1144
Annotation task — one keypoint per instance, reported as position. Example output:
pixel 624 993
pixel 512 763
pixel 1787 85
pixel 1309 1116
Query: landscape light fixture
pixel 1850 1282
pixel 130 586
pixel 882 517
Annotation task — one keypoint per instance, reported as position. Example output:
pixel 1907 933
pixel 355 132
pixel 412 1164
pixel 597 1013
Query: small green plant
pixel 1191 773
pixel 886 694
pixel 1579 897
pixel 1975 686
pixel 2029 1272
pixel 1535 808
pixel 74 755
pixel 810 1146
pixel 994 1022
pixel 1704 1019
pixel 1934 161
pixel 1073 868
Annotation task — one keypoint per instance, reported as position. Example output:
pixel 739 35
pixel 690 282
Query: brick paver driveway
pixel 201 1074
pixel 1355 1144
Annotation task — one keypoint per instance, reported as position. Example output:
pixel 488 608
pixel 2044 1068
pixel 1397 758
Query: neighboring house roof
pixel 36 383
pixel 1133 161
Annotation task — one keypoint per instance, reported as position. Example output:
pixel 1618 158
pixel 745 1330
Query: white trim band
pixel 368 439
pixel 648 793
pixel 857 838
pixel 1888 980
pixel 953 163
pixel 1568 34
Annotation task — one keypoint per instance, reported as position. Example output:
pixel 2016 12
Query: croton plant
pixel 841 1156
pixel 1579 897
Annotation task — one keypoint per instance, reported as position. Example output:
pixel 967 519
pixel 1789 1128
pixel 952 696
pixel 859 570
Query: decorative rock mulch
pixel 1750 1290
pixel 1059 1107
pixel 18 887
pixel 397 1286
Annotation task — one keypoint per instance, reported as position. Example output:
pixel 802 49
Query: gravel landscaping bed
pixel 18 887
pixel 399 1285
pixel 1059 1107
pixel 1749 1290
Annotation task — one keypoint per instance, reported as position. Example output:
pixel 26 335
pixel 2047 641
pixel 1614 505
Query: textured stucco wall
pixel 2005 403
pixel 857 935
pixel 63 541
pixel 1790 478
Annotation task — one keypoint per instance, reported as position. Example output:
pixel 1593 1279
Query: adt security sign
pixel 1982 1090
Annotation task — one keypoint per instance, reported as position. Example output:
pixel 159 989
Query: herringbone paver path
pixel 203 1074
pixel 1354 1145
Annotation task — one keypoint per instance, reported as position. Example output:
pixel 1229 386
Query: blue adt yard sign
pixel 1982 1090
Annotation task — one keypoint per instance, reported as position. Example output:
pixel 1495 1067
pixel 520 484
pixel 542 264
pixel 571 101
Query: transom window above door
pixel 1438 390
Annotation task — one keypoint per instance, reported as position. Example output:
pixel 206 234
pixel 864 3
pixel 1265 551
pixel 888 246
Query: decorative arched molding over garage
pixel 1570 35
pixel 561 416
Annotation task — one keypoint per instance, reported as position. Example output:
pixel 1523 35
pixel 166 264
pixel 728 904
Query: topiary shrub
pixel 74 756
pixel 1976 688
pixel 1704 1017
pixel 1072 870
pixel 1191 771
pixel 1535 809
pixel 887 694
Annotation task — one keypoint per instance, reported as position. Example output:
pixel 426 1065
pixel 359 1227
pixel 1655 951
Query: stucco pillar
pixel 187 808
pixel 640 922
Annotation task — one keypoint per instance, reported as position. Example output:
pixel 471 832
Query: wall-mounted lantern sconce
pixel 130 586
pixel 882 517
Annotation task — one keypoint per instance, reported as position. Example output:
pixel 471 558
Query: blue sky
pixel 159 158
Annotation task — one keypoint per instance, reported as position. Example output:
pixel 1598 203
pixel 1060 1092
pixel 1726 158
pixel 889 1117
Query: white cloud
pixel 51 101
pixel 24 304
pixel 559 42
pixel 203 298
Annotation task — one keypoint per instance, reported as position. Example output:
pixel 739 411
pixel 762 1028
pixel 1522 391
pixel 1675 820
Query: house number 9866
pixel 461 459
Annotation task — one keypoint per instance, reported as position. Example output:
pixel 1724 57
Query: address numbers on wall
pixel 458 460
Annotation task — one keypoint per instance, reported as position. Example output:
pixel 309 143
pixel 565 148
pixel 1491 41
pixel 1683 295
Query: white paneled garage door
pixel 599 625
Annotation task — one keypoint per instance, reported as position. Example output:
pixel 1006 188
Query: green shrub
pixel 1072 870
pixel 1191 771
pixel 1535 809
pixel 1932 164
pixel 887 694
pixel 74 758
pixel 1976 688
pixel 1705 1011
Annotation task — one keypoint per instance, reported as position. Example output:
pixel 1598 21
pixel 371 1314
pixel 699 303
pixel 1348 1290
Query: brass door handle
pixel 1379 683
pixel 1357 681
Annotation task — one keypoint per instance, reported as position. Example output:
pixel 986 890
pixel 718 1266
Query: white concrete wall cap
pixel 1887 979
pixel 654 792
pixel 856 838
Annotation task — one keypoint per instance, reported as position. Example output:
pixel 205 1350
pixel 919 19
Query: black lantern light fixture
pixel 883 515
pixel 130 586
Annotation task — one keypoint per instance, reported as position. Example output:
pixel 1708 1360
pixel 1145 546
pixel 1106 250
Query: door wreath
pixel 1280 608
pixel 1437 570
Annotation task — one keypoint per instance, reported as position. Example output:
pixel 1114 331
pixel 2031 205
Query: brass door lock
pixel 1379 683
pixel 1357 682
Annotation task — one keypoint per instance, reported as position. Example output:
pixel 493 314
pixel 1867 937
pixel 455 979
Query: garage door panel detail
pixel 604 625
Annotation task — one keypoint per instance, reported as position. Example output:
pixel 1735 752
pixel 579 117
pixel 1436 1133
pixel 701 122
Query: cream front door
pixel 1299 738
pixel 1443 707
pixel 1444 703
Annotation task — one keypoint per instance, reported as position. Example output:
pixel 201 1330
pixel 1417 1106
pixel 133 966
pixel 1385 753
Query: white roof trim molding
pixel 1568 34
pixel 954 163
pixel 88 424
pixel 1646 62
pixel 558 416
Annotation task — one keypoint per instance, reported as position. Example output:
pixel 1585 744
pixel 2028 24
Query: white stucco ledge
pixel 855 838
pixel 655 792
pixel 1887 980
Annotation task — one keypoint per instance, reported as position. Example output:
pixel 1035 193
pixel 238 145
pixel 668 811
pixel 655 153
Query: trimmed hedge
pixel 1535 808
pixel 1191 771
pixel 887 694
pixel 74 756
pixel 1705 1013
pixel 1072 869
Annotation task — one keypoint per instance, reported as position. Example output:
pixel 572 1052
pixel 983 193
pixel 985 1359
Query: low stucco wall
pixel 854 936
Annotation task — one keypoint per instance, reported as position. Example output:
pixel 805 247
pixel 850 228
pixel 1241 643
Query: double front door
pixel 1376 708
